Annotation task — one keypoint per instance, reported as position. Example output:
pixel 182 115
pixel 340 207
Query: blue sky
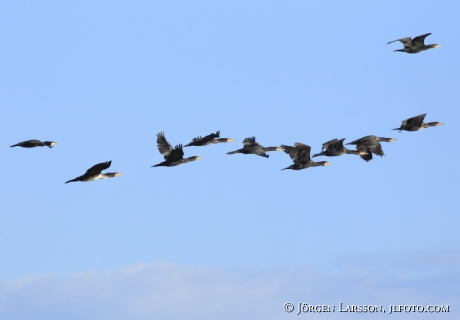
pixel 104 78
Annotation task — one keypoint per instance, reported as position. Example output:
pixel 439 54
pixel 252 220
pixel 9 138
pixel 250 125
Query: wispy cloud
pixel 171 291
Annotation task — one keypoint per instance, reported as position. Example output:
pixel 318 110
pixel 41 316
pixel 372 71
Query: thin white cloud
pixel 171 291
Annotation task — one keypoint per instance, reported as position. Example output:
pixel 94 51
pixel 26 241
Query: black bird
pixel 173 157
pixel 335 148
pixel 94 173
pixel 415 45
pixel 370 145
pixel 300 154
pixel 34 143
pixel 252 147
pixel 210 138
pixel 416 123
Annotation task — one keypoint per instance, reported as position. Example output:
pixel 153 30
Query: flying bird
pixel 335 148
pixel 416 123
pixel 173 157
pixel 94 173
pixel 415 45
pixel 207 140
pixel 34 143
pixel 252 147
pixel 300 154
pixel 370 145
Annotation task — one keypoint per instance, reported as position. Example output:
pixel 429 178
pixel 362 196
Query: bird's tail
pixel 73 180
pixel 233 152
pixel 14 145
pixel 397 129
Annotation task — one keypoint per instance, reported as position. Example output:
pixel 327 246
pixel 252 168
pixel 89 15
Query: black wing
pixel 334 145
pixel 414 121
pixel 338 145
pixel 289 150
pixel 176 154
pixel 302 153
pixel 98 168
pixel 420 40
pixel 163 145
pixel 376 149
pixel 199 141
pixel 250 141
pixel 407 42
pixel 327 144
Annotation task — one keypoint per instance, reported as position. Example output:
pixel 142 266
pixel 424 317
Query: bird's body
pixel 173 157
pixel 94 173
pixel 415 45
pixel 35 143
pixel 335 148
pixel 300 154
pixel 252 147
pixel 416 123
pixel 370 145
pixel 207 140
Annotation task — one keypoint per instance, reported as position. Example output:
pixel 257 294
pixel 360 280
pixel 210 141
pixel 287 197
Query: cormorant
pixel 173 157
pixel 416 123
pixel 370 145
pixel 300 154
pixel 252 147
pixel 94 173
pixel 335 148
pixel 415 45
pixel 34 143
pixel 210 138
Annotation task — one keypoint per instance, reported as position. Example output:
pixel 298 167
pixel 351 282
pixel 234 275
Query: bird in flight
pixel 252 147
pixel 415 45
pixel 416 123
pixel 370 145
pixel 207 140
pixel 173 157
pixel 300 154
pixel 34 143
pixel 94 173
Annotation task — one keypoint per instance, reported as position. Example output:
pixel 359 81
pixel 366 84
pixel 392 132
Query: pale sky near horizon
pixel 229 232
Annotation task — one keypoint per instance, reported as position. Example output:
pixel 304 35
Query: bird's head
pixel 50 143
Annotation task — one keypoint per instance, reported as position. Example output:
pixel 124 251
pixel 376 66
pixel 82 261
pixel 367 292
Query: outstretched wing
pixel 98 168
pixel 420 40
pixel 199 141
pixel 407 42
pixel 302 153
pixel 327 144
pixel 289 150
pixel 414 121
pixel 250 141
pixel 176 154
pixel 338 145
pixel 163 145
pixel 376 149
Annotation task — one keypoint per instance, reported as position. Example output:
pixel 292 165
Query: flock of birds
pixel 299 153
